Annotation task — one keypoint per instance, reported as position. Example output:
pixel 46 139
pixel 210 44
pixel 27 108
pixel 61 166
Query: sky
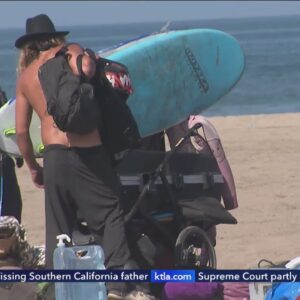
pixel 13 14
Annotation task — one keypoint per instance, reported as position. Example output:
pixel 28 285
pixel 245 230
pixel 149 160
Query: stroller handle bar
pixel 153 177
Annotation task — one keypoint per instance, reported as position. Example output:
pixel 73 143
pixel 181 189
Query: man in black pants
pixel 87 183
pixel 77 172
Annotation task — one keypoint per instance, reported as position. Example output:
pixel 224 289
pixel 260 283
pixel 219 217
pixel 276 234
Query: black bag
pixel 79 106
pixel 118 127
pixel 70 101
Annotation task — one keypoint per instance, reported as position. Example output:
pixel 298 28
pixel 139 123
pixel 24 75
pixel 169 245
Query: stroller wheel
pixel 194 248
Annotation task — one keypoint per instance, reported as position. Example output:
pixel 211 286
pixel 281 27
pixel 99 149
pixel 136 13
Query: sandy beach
pixel 264 153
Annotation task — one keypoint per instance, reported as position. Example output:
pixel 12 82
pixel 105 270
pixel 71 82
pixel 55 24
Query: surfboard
pixel 178 73
pixel 174 74
pixel 8 140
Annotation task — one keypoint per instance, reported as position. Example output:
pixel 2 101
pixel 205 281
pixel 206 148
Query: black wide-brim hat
pixel 38 27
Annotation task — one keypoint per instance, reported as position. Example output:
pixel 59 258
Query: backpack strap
pixel 62 52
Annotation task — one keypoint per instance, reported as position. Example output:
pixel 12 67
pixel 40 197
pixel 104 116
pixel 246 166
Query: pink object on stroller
pixel 206 143
pixel 214 142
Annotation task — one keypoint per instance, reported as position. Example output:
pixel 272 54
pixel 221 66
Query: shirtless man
pixel 77 173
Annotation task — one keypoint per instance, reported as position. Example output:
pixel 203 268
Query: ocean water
pixel 270 83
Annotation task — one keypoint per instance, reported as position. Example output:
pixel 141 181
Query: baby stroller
pixel 171 199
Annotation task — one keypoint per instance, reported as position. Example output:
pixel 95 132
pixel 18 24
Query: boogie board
pixel 8 141
pixel 174 74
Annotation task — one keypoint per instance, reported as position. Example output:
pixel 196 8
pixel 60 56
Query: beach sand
pixel 264 153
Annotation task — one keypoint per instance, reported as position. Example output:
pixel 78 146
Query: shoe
pixel 137 295
pixel 115 295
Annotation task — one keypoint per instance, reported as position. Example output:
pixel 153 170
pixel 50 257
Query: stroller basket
pixel 187 176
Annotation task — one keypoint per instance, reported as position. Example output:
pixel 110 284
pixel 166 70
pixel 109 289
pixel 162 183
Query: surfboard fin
pixel 166 27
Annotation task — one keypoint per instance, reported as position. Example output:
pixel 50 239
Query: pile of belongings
pixel 14 245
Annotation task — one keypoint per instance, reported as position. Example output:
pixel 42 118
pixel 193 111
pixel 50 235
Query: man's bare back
pixel 30 96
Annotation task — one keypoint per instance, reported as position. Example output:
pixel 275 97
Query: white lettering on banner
pixel 254 277
pixel 12 277
pixel 218 277
pixel 133 276
pixel 95 276
pixel 284 277
pixel 35 276
pixel 172 277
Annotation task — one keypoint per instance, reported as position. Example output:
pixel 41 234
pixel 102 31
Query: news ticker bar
pixel 261 275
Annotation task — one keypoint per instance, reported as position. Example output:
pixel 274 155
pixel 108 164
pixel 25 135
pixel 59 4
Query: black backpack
pixel 79 106
pixel 70 101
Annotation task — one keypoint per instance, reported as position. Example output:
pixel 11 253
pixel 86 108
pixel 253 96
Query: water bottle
pixel 78 258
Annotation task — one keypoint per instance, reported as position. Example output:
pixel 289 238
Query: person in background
pixel 10 195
